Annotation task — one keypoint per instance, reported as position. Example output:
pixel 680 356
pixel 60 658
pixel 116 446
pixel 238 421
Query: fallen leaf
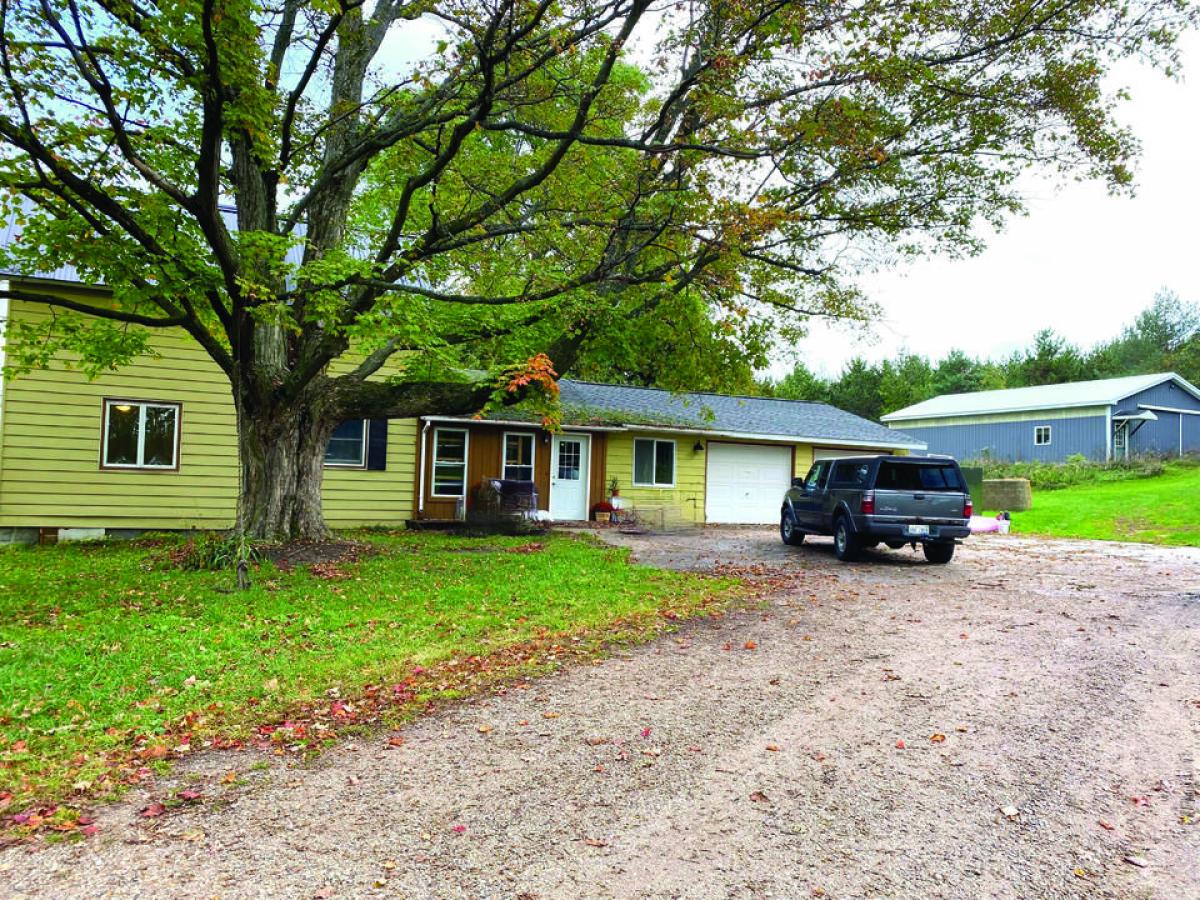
pixel 1140 801
pixel 1107 826
pixel 229 778
pixel 153 811
pixel 760 797
pixel 773 748
pixel 595 842
pixel 899 745
pixel 484 729
pixel 646 732
pixel 1080 873
pixel 550 715
pixel 459 829
pixel 596 741
pixel 190 795
pixel 395 741
pixel 389 864
pixel 1140 861
pixel 750 645
pixel 938 738
pixel 193 834
pixel 1009 811
pixel 155 751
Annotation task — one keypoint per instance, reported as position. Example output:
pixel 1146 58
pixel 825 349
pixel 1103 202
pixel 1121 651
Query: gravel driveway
pixel 790 751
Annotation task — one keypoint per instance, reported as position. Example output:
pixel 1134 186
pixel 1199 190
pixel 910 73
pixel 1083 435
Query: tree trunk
pixel 282 454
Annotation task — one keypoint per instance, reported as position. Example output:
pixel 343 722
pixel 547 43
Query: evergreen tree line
pixel 1164 337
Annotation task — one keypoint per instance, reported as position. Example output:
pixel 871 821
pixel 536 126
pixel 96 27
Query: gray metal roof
pixel 1103 392
pixel 589 403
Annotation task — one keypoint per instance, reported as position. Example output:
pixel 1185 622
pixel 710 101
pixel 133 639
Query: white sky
pixel 1082 262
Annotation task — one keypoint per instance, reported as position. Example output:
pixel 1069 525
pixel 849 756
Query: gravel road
pixel 1023 722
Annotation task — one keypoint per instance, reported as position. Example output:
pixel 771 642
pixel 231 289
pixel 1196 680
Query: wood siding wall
pixel 50 473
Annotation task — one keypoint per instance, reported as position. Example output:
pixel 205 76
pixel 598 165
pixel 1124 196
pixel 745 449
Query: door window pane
pixel 518 457
pixel 569 453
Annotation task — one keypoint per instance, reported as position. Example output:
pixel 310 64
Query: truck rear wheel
pixel 845 541
pixel 940 552
pixel 788 530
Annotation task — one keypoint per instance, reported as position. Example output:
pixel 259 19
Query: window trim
pixel 674 463
pixel 1121 437
pixel 1049 436
pixel 532 453
pixel 433 459
pixel 106 402
pixel 362 448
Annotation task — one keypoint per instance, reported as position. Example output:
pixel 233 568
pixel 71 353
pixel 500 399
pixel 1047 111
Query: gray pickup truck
pixel 864 501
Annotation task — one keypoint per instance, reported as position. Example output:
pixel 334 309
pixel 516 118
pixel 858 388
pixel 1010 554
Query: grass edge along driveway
pixel 1159 510
pixel 112 661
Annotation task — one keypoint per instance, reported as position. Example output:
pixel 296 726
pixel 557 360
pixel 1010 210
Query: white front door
pixel 569 457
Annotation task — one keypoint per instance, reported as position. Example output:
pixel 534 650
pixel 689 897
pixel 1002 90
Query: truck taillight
pixel 868 503
pixel 968 508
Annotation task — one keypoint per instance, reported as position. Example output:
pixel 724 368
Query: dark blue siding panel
pixel 1163 436
pixel 1014 440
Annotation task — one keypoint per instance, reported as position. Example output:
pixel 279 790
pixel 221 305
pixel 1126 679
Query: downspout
pixel 1180 435
pixel 421 472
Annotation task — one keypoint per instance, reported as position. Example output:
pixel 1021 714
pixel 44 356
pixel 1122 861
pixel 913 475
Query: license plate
pixel 916 530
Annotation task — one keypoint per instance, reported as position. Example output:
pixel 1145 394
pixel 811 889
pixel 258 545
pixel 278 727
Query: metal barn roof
pixel 1102 392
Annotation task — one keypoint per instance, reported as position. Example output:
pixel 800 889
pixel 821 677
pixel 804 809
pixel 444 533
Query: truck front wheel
pixel 940 552
pixel 789 531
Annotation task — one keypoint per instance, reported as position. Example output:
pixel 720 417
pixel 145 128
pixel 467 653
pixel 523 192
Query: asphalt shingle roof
pixel 588 403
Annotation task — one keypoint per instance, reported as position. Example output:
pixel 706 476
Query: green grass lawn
pixel 111 660
pixel 1158 510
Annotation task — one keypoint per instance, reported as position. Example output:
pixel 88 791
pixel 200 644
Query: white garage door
pixel 746 482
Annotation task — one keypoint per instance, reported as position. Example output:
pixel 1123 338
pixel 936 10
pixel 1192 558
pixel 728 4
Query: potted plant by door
pixel 602 511
pixel 614 488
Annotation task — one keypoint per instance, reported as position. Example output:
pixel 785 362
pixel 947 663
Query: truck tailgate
pixel 920 506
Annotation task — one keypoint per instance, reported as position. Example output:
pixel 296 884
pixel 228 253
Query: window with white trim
pixel 518 457
pixel 653 463
pixel 348 445
pixel 1041 435
pixel 1119 436
pixel 140 435
pixel 449 462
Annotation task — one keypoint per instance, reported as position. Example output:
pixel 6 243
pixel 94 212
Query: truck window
pixel 850 474
pixel 919 477
pixel 816 475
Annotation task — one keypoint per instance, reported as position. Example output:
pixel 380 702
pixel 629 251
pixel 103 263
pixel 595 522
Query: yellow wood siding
pixel 50 434
pixel 682 503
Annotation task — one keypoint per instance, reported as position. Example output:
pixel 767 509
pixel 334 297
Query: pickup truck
pixel 864 501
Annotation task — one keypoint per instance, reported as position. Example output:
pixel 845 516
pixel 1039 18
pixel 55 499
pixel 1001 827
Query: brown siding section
pixel 599 474
pixel 485 459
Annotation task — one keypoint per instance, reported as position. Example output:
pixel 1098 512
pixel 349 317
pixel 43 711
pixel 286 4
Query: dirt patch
pixel 1021 722
pixel 323 556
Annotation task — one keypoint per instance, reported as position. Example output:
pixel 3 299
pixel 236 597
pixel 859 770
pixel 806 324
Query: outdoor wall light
pixel 699 447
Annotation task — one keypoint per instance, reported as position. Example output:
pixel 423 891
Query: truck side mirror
pixel 798 483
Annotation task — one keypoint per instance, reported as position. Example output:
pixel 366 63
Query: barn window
pixel 1041 435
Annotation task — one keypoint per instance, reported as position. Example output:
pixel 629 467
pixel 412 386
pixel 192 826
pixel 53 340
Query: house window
pixel 518 457
pixel 140 435
pixel 449 462
pixel 653 463
pixel 348 446
pixel 1119 437
pixel 1041 435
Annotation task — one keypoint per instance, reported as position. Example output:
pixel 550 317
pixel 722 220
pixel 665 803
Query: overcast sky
pixel 1082 262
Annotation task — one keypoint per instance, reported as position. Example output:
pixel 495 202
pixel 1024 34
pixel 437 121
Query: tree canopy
pixel 642 192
